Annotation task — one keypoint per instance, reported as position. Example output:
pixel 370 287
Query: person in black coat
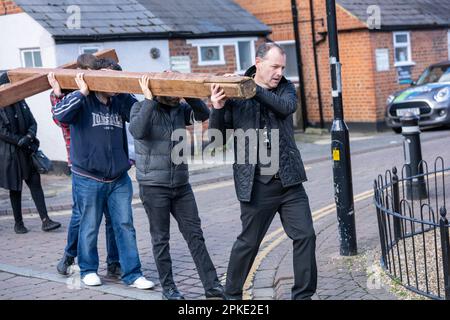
pixel 17 142
pixel 164 184
pixel 264 190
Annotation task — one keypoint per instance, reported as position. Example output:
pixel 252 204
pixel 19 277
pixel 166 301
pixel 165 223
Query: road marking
pixel 247 294
pixel 213 186
pixel 223 184
pixel 316 215
pixel 328 141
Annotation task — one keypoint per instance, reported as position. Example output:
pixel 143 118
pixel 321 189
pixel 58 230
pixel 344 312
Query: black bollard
pixel 415 186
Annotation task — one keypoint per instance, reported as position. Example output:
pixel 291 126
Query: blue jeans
pixel 74 227
pixel 92 198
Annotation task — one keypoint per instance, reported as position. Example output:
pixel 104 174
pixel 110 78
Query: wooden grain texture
pixel 38 83
pixel 193 85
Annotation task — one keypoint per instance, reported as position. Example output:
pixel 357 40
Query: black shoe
pixel 215 293
pixel 48 224
pixel 64 264
pixel 172 294
pixel 113 270
pixel 19 228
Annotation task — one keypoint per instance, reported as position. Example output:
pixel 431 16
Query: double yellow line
pixel 280 236
pixel 316 215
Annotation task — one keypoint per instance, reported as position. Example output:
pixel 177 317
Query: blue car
pixel 429 98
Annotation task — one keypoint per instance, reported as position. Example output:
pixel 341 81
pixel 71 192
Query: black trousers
pixel 34 183
pixel 159 202
pixel 293 206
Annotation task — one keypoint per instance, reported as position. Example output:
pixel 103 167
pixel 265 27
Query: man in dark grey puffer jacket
pixel 164 185
pixel 262 195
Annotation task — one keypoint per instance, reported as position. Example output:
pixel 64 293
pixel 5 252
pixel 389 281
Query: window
pixel 89 49
pixel 245 55
pixel 291 71
pixel 435 74
pixel 402 49
pixel 31 58
pixel 210 55
pixel 212 51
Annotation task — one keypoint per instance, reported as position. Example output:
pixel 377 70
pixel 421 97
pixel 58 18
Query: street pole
pixel 340 146
pixel 298 52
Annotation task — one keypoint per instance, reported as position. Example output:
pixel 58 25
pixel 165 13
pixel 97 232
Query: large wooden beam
pixel 192 85
pixel 38 83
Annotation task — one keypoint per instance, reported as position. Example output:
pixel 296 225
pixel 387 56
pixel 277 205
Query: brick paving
pixel 28 262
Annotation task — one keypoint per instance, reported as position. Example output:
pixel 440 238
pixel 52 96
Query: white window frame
pixel 222 43
pixel 22 56
pixel 202 62
pixel 82 48
pixel 294 79
pixel 238 57
pixel 408 46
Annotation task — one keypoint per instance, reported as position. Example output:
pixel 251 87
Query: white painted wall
pixel 133 55
pixel 20 31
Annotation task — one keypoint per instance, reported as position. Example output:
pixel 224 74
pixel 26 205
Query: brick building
pixel 209 36
pixel 410 35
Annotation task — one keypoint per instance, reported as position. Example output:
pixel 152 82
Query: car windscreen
pixel 435 74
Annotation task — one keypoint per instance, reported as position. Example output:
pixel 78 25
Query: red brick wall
pixel 355 55
pixel 427 47
pixel 8 7
pixel 357 79
pixel 364 89
pixel 179 47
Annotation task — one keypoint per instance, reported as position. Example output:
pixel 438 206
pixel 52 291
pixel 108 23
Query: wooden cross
pixel 38 83
pixel 188 85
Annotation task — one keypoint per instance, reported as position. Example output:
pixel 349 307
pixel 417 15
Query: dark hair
pixel 4 78
pixel 105 63
pixel 263 49
pixel 86 61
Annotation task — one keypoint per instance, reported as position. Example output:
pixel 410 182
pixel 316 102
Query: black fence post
pixel 381 224
pixel 396 205
pixel 443 227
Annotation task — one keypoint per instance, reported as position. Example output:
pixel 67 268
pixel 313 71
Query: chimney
pixel 9 7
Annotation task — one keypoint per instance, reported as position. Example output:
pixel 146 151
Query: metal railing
pixel 414 230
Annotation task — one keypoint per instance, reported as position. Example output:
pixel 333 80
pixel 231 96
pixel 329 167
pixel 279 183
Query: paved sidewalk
pixel 314 148
pixel 339 278
pixel 28 262
pixel 27 267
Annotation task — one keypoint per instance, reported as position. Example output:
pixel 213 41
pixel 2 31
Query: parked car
pixel 429 98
